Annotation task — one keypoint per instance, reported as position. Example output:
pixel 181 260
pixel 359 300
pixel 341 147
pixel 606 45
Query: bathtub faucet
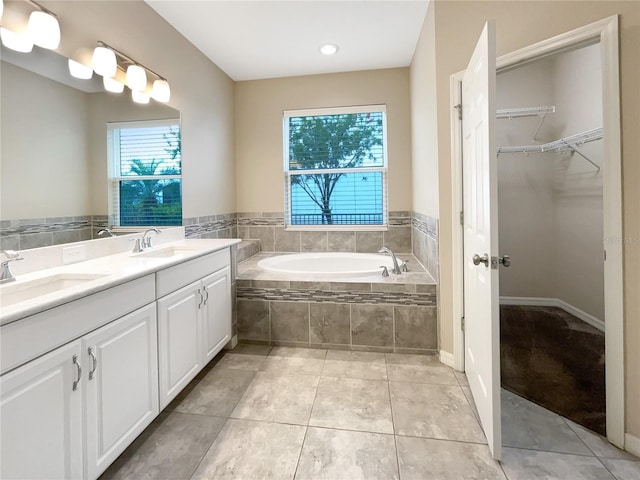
pixel 396 268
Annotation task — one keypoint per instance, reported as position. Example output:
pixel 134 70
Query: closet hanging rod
pixel 525 111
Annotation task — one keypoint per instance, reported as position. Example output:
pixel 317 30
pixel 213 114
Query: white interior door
pixel 480 200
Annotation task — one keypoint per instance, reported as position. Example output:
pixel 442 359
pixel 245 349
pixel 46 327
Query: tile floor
pixel 283 413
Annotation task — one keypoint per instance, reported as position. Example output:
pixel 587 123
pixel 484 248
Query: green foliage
pixel 328 142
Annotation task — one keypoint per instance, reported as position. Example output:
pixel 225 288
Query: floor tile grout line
pixel 613 475
pixel 208 448
pixel 530 449
pixel 393 423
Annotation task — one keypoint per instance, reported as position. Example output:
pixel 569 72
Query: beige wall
pixel 518 24
pixel 424 117
pixel 259 106
pixel 199 90
pixel 44 170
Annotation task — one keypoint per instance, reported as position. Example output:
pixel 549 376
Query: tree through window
pixel 335 166
pixel 145 167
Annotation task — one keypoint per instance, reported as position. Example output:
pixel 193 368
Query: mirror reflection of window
pixel 145 173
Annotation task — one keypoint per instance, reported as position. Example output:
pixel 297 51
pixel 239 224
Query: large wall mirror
pixel 55 134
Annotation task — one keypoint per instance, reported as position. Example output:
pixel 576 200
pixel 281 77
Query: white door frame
pixel 605 32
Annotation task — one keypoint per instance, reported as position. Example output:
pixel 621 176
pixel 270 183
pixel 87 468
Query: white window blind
pixel 145 173
pixel 335 167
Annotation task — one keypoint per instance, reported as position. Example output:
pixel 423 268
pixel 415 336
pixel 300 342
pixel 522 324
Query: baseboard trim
pixel 447 358
pixel 632 444
pixel 231 344
pixel 555 302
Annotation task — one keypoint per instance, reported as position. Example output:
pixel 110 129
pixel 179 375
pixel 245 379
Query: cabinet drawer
pixel 178 276
pixel 38 334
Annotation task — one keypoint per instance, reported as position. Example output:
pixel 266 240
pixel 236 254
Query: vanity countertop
pixel 41 290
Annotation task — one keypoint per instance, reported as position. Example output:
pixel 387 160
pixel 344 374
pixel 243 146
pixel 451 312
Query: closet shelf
pixel 562 144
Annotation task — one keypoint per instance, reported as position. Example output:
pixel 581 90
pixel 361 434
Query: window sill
pixel 336 228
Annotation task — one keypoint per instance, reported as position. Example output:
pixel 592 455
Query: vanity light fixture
pixel 161 92
pixel 112 85
pixel 78 70
pixel 1 8
pixel 43 27
pixel 329 49
pixel 140 97
pixel 104 61
pixel 136 77
pixel 17 41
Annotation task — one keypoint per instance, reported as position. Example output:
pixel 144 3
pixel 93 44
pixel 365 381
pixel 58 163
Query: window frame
pixel 309 112
pixel 114 174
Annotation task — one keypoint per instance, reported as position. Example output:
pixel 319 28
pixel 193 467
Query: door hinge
pixel 462 324
pixel 605 255
pixel 459 108
pixel 461 217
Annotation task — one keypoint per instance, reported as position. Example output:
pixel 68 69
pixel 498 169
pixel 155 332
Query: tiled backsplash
pixel 425 242
pixel 268 227
pixel 211 226
pixel 23 234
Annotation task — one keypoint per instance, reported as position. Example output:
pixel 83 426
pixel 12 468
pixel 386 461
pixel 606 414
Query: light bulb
pixel 161 91
pixel 104 62
pixel 20 42
pixel 78 70
pixel 136 77
pixel 44 29
pixel 329 49
pixel 112 85
pixel 140 97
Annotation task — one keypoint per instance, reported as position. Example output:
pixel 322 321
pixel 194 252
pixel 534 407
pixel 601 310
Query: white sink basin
pixel 21 291
pixel 167 252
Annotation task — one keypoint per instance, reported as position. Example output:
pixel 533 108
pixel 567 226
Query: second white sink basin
pixel 21 291
pixel 167 252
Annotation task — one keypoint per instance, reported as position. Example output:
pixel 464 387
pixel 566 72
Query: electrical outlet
pixel 74 254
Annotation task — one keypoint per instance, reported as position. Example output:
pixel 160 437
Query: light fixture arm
pixel 127 58
pixel 44 9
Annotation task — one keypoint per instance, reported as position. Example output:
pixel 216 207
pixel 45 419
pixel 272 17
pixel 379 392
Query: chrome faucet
pixel 5 270
pixel 146 239
pixel 107 230
pixel 396 267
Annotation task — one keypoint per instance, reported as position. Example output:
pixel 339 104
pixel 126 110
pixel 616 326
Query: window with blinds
pixel 145 173
pixel 335 166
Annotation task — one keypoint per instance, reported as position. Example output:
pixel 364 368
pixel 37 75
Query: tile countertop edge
pixel 113 276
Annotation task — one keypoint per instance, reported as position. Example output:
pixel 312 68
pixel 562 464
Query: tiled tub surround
pixel 386 314
pixel 269 228
pixel 211 226
pixel 425 242
pixel 22 234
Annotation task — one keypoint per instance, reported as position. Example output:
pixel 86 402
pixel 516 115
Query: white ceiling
pixel 268 39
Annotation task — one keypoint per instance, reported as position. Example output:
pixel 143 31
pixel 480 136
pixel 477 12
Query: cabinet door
pixel 121 386
pixel 178 340
pixel 41 417
pixel 216 313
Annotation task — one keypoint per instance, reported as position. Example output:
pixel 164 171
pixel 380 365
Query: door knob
pixel 477 259
pixel 505 260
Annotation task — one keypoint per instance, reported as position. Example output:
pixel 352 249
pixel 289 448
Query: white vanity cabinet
pixel 41 417
pixel 120 386
pixel 194 321
pixel 68 413
pixel 101 388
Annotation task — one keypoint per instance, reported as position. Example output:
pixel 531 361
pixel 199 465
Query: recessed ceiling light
pixel 329 49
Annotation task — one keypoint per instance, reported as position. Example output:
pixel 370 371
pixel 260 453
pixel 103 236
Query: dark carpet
pixel 556 360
